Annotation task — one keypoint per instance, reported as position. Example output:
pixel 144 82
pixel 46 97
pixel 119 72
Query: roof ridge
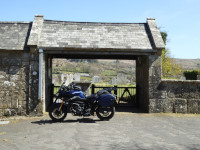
pixel 18 22
pixel 57 21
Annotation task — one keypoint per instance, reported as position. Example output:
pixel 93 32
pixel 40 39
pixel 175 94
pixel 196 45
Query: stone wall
pixel 170 96
pixel 177 96
pixel 18 83
pixel 148 77
pixel 19 86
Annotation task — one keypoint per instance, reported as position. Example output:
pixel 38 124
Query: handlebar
pixel 71 86
pixel 110 89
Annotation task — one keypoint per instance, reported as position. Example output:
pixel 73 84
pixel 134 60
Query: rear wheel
pixel 105 113
pixel 56 114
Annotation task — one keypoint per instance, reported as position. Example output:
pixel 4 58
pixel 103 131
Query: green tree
pixel 169 68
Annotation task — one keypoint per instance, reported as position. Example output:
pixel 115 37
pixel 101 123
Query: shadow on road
pixel 128 109
pixel 82 120
pixel 89 120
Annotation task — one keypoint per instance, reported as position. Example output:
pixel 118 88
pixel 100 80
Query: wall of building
pixel 18 83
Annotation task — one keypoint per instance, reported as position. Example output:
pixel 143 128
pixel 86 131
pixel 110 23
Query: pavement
pixel 126 131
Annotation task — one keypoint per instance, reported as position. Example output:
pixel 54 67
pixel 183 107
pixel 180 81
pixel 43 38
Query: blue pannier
pixel 106 100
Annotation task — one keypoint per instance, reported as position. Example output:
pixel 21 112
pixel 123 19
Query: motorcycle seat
pixel 77 98
pixel 91 96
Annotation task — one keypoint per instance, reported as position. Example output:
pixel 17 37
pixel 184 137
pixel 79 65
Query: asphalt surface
pixel 126 131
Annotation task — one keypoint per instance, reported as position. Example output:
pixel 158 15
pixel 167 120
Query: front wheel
pixel 56 114
pixel 105 113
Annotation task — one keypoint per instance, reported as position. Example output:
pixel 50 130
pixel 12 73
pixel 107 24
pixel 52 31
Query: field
pixel 105 69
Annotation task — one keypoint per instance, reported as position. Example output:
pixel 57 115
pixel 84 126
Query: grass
pixel 109 73
pixel 86 78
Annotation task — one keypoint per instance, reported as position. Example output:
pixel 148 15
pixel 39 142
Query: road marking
pixel 4 122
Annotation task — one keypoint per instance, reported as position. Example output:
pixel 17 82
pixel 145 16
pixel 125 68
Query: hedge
pixel 191 75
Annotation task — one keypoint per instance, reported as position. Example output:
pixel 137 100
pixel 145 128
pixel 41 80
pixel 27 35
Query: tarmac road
pixel 126 131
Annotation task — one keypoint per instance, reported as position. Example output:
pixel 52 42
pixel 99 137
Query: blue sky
pixel 179 18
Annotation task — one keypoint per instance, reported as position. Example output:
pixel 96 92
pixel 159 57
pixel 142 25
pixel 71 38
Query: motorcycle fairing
pixel 77 93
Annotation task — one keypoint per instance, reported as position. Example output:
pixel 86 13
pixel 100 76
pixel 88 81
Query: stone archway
pixel 143 71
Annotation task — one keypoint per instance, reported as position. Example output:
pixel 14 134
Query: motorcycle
pixel 74 100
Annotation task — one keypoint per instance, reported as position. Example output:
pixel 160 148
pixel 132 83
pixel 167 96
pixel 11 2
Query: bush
pixel 191 75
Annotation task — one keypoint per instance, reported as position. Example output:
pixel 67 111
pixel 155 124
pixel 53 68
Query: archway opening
pixel 99 73
pixel 135 88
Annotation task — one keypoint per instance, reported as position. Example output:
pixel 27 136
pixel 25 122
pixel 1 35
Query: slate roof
pixel 14 35
pixel 94 35
pixel 50 34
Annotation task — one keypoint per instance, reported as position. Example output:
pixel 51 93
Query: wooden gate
pixel 126 96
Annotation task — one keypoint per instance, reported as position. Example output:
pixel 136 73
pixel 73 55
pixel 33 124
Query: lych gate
pixel 81 40
pixel 47 39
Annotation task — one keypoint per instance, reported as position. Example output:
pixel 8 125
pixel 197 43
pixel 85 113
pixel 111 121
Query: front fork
pixel 60 108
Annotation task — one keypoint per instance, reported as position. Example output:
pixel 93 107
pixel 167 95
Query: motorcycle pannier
pixel 106 100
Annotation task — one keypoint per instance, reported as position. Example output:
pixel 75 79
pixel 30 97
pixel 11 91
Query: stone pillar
pixel 142 82
pixel 48 82
pixel 35 101
pixel 36 96
pixel 157 98
pixel 33 85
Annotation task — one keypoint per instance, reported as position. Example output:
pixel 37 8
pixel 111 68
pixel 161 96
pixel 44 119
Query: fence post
pixel 115 91
pixel 51 93
pixel 93 87
pixel 137 96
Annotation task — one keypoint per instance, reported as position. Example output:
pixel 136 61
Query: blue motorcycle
pixel 72 99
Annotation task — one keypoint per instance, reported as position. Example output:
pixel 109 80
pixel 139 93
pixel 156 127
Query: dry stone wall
pixel 177 96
